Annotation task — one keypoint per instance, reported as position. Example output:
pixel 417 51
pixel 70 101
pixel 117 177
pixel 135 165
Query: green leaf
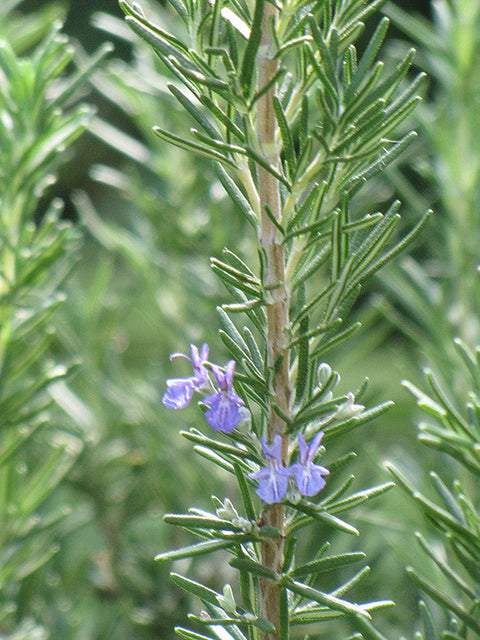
pixel 162 42
pixel 325 55
pixel 467 560
pixel 289 553
pixel 197 522
pixel 332 602
pixel 269 532
pixel 308 204
pixel 201 591
pixel 215 445
pixel 249 56
pixel 91 65
pixel 351 423
pixel 287 138
pixel 323 516
pixel 227 324
pixel 449 499
pixel 428 625
pixel 331 563
pixel 246 564
pixel 417 28
pixel 341 336
pixel 303 367
pixel 194 111
pixel 193 147
pixel 357 16
pixel 350 584
pixel 273 220
pixel 190 635
pixel 132 12
pixel 236 195
pixel 284 631
pixel 444 601
pixel 55 466
pixel 222 628
pixel 313 615
pixel 18 441
pixel 325 81
pixel 222 117
pixel 359 498
pixel 445 568
pixel 216 458
pixel 368 630
pixel 192 551
pixel 441 518
pixel 444 400
pixel 468 358
pixel 46 147
pixel 13 404
pixel 245 493
pixel 358 179
pixel 306 270
pixel 374 44
pixel 344 487
pixel 425 402
pixel 255 354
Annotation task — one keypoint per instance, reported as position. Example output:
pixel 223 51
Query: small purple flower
pixel 180 390
pixel 272 480
pixel 308 475
pixel 223 407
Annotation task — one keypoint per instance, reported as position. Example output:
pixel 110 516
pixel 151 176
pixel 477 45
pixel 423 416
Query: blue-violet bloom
pixel 180 390
pixel 223 407
pixel 308 476
pixel 272 480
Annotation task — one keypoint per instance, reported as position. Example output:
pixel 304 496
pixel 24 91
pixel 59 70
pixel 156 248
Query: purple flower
pixel 272 480
pixel 223 407
pixel 180 390
pixel 308 475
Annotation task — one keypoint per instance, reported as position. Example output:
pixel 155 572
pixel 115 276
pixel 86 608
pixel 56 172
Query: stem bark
pixel 277 309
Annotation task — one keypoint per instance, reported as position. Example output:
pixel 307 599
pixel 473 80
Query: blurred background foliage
pixel 85 481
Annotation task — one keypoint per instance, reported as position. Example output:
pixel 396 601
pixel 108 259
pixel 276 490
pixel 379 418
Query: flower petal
pixel 273 452
pixel 179 393
pixel 272 485
pixel 313 446
pixel 204 352
pixel 308 478
pixel 229 371
pixel 220 376
pixel 303 448
pixel 222 415
pixel 179 355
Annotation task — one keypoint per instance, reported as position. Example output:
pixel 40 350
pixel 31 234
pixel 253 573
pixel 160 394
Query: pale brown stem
pixel 277 309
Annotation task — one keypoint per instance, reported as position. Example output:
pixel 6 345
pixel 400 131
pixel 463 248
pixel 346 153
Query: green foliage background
pixel 84 488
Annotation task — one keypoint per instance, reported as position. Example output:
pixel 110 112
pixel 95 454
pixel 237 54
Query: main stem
pixel 277 309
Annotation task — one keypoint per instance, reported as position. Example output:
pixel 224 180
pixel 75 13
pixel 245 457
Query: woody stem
pixel 278 307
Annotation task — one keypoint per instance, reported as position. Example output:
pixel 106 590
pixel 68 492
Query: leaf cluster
pixel 321 81
pixel 455 517
pixel 39 120
pixel 335 114
pixel 240 531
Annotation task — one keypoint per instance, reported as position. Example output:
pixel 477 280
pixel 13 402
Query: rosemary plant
pixel 26 29
pixel 440 298
pixel 39 119
pixel 295 122
pixel 438 295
